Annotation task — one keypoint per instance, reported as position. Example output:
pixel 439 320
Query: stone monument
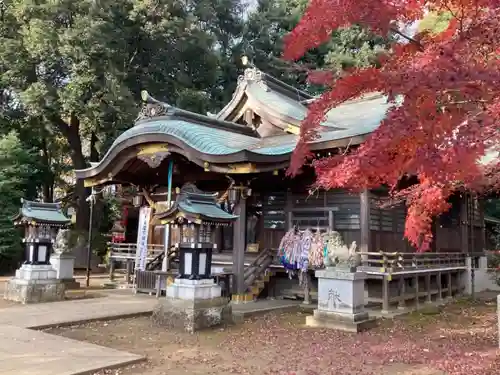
pixel 193 301
pixel 36 280
pixel 63 261
pixel 341 294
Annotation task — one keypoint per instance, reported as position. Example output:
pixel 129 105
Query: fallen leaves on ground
pixel 461 339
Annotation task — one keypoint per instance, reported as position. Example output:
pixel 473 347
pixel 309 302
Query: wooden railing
pixel 126 251
pixel 258 267
pixel 396 262
pixel 407 280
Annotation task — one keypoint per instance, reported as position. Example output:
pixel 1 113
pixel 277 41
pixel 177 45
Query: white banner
pixel 142 238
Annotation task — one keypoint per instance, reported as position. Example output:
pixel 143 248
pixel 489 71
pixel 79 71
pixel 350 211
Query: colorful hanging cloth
pixel 316 253
pixel 307 237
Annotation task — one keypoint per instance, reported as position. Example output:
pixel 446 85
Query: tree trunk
pixel 94 154
pixel 48 183
pixel 71 132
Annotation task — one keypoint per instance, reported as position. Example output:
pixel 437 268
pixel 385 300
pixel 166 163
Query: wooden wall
pixel 335 209
pixel 387 227
pixel 460 229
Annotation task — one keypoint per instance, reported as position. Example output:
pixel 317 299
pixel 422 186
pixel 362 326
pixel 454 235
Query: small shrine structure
pixel 36 280
pixel 193 300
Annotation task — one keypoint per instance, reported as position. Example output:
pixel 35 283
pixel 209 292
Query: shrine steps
pixel 256 277
pixel 254 290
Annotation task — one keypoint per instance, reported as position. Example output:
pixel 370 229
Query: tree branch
pixel 408 38
pixel 58 122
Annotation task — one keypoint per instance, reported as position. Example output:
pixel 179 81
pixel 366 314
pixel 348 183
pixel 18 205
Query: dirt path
pixel 459 340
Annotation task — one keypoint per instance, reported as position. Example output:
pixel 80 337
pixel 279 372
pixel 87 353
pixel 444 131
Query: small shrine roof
pixel 197 206
pixel 41 213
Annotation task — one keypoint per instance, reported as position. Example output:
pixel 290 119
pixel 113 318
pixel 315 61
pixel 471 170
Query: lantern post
pixel 193 301
pixel 37 280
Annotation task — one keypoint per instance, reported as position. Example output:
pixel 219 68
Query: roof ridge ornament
pixel 153 107
pixel 253 74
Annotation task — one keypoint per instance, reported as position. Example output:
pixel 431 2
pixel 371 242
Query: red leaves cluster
pixel 446 94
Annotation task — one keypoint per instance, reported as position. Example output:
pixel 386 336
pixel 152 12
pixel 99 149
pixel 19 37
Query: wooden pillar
pixel 417 292
pixel 111 269
pixel 385 294
pixel 481 223
pixel 439 282
pixel 450 289
pixel 288 210
pixel 307 288
pixel 464 224
pixel 472 224
pixel 402 293
pixel 428 288
pixel 130 270
pixel 364 221
pixel 331 220
pixel 239 240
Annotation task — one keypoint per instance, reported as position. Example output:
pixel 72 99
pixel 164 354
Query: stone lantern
pixel 195 249
pixel 41 222
pixel 194 300
pixel 36 280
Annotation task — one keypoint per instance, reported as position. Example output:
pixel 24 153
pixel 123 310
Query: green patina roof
pixel 200 137
pixel 194 203
pixel 41 213
pixel 351 119
pixel 287 102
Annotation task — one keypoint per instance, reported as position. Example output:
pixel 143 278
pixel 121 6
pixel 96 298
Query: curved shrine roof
pixel 285 106
pixel 215 140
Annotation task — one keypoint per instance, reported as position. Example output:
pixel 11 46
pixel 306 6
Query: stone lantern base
pixel 64 265
pixel 341 301
pixel 34 284
pixel 192 305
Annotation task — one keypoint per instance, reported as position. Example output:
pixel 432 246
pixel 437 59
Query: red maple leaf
pixel 446 92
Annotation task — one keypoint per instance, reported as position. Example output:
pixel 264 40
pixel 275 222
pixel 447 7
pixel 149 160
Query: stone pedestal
pixel 64 265
pixel 33 284
pixel 192 305
pixel 341 300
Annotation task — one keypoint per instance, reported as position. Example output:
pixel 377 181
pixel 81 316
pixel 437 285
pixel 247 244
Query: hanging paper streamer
pixel 302 250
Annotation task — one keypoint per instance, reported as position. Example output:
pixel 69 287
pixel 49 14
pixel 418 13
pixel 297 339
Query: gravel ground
pixel 460 339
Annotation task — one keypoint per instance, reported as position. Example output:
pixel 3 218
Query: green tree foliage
pixel 273 19
pixel 354 47
pixel 17 166
pixel 74 69
pixel 435 23
pixel 71 72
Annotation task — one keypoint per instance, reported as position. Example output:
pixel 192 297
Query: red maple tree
pixel 446 92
